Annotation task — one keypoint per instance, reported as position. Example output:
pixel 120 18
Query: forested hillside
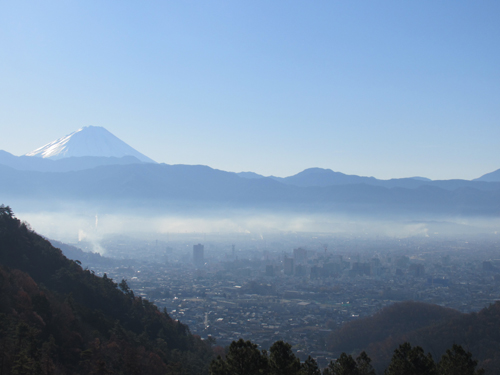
pixel 432 327
pixel 57 318
pixel 395 320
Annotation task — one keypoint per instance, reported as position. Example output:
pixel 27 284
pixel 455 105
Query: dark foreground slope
pixel 432 327
pixel 57 318
pixel 392 321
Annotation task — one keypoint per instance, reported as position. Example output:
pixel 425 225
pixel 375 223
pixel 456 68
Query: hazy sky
pixel 374 88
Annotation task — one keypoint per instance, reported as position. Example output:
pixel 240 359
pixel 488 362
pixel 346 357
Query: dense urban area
pixel 292 286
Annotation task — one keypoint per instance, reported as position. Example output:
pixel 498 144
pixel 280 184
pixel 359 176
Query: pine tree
pixel 411 361
pixel 310 367
pixel 243 358
pixel 282 361
pixel 458 362
pixel 343 365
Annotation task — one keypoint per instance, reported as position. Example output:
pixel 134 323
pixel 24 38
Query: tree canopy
pixel 56 317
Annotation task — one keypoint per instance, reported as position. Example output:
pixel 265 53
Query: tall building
pixel 315 272
pixel 269 270
pixel 417 269
pixel 198 254
pixel 300 270
pixel 288 266
pixel 300 255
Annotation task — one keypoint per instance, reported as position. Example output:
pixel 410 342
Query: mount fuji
pixel 94 141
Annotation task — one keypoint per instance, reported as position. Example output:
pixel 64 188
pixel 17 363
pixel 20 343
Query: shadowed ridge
pixel 56 317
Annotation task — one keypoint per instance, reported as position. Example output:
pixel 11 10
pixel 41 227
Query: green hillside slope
pixel 58 315
pixel 432 327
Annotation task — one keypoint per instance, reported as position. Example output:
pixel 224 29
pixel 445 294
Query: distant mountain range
pixel 490 177
pixel 109 172
pixel 326 177
pixel 27 163
pixel 161 186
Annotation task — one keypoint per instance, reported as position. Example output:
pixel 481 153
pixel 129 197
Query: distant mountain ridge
pixel 158 186
pixel 88 141
pixel 320 177
pixel 490 177
pixel 327 177
pixel 92 165
pixel 27 163
pixel 97 146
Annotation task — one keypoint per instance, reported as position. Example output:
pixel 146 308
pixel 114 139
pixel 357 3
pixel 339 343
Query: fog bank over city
pixel 73 226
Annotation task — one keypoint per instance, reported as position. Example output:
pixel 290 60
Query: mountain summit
pixel 88 141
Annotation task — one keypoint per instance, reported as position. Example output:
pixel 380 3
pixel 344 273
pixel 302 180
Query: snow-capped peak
pixel 88 141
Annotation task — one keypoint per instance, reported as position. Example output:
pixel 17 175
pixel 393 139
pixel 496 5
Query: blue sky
pixel 374 88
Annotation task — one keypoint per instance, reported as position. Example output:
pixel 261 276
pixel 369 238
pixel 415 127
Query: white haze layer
pixel 74 227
